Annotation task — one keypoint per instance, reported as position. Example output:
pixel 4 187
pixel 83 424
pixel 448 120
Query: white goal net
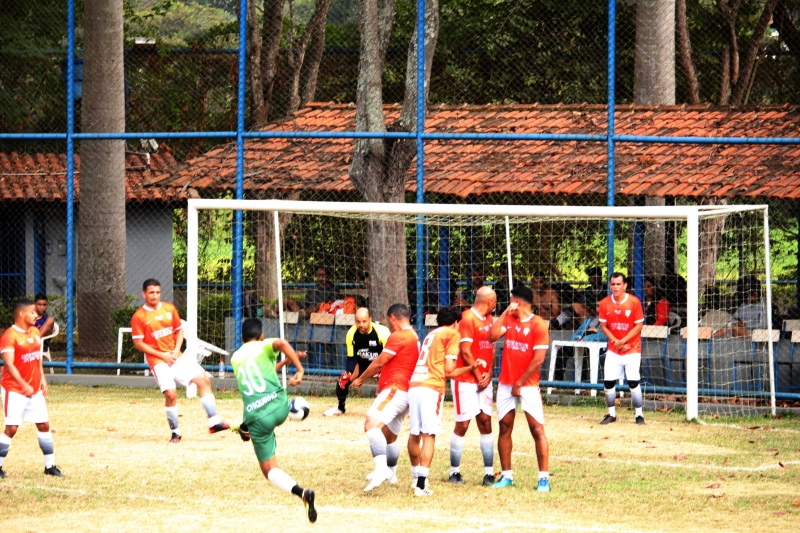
pixel 701 272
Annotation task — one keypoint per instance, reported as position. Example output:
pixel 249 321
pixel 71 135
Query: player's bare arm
pixel 373 369
pixel 176 351
pixel 607 332
pixel 293 357
pixel 43 381
pixel 8 361
pixel 465 352
pixel 534 366
pixel 284 362
pixel 47 327
pixel 167 357
pixel 450 370
pixel 497 329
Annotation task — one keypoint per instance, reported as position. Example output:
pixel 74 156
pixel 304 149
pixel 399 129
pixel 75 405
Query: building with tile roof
pixel 33 221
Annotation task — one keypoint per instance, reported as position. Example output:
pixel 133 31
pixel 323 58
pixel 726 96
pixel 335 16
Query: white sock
pixel 46 444
pixel 487 450
pixel 612 411
pixel 414 471
pixel 508 474
pixel 544 475
pixel 377 445
pixel 281 479
pixel 639 412
pixel 392 456
pixel 172 419
pixel 423 471
pixel 5 443
pixel 209 403
pixel 456 449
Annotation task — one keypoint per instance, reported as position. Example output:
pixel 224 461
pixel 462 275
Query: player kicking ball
pixel 157 332
pixel 266 404
pixel 436 363
pixel 23 386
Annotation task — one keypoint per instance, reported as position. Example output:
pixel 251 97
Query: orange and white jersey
pixel 157 328
pixel 26 345
pixel 474 328
pixel 439 344
pixel 404 346
pixel 522 338
pixel 621 317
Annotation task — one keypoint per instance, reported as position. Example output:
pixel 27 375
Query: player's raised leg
pixel 209 402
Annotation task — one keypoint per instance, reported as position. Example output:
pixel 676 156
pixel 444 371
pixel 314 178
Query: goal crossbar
pixel 691 214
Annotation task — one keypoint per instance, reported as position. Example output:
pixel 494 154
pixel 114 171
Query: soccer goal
pixel 701 272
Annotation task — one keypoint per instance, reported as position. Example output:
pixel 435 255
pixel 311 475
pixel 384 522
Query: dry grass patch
pixel 122 475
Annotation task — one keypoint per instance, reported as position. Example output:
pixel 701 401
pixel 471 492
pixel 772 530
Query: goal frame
pixel 692 215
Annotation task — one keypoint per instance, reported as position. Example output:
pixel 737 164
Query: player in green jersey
pixel 266 404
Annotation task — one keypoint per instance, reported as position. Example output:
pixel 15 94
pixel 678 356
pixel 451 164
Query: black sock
pixel 297 490
pixel 421 482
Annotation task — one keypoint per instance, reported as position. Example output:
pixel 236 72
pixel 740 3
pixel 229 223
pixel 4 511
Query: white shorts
pixel 530 398
pixel 619 366
pixel 183 371
pixel 468 401
pixel 390 407
pixel 18 407
pixel 425 410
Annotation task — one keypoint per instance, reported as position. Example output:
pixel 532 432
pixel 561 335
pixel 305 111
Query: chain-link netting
pixel 724 68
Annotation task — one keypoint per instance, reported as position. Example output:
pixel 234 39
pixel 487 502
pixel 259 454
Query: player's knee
pixel 506 427
pixel 461 428
pixel 609 384
pixel 170 397
pixel 11 431
pixel 633 383
pixel 43 427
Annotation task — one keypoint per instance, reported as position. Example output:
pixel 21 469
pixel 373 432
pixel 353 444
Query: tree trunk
pixel 654 242
pixel 710 235
pixel 101 276
pixel 379 169
pixel 297 51
pixel 740 86
pixel 724 76
pixel 310 71
pixel 258 116
pixel 271 40
pixel 684 45
pixel 654 58
pixel 266 261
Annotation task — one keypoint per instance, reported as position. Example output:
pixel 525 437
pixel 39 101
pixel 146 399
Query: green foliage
pixel 174 23
pixel 211 312
pixel 6 317
pixel 121 318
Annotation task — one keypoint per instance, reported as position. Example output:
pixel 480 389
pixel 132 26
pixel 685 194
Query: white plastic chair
pixel 46 352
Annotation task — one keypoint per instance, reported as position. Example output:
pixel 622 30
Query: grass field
pixel 122 475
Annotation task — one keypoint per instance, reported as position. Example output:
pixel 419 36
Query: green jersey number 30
pixel 251 378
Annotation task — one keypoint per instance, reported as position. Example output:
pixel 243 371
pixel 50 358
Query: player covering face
pixel 23 386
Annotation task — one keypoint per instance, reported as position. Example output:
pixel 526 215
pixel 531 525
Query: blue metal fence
pixel 420 136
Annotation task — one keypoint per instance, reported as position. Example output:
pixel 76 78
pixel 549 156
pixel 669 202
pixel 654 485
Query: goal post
pixel 515 241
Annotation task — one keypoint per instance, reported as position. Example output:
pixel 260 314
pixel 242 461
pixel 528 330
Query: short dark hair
pixel 19 305
pixel 523 293
pixel 150 282
pixel 538 275
pixel 594 272
pixel 40 296
pixel 398 311
pixel 365 275
pixel 251 329
pixel 619 275
pixel 448 315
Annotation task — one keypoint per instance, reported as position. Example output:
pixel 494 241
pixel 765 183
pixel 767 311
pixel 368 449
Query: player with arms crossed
pixel 472 391
pixel 157 332
pixel 266 404
pixel 621 319
pixel 365 342
pixel 23 386
pixel 436 363
pixel 524 349
pixel 385 417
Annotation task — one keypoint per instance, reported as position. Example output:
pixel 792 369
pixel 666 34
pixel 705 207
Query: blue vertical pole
pixel 612 36
pixel 238 244
pixel 797 285
pixel 420 152
pixel 70 183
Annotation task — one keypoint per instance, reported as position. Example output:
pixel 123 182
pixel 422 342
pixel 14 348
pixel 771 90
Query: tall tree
pixel 684 45
pixel 101 228
pixel 740 87
pixel 654 84
pixel 380 167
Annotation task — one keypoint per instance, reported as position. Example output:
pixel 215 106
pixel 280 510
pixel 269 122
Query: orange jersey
pixel 522 338
pixel 439 344
pixel 475 329
pixel 27 349
pixel 404 345
pixel 157 328
pixel 620 318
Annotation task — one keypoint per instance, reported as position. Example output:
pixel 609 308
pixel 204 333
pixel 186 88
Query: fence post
pixel 70 184
pixel 612 36
pixel 238 241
